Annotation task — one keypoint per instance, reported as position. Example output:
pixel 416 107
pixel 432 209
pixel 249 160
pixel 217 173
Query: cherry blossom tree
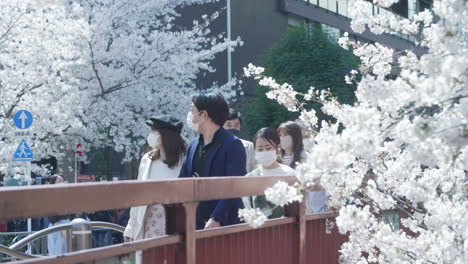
pixel 403 146
pixel 92 70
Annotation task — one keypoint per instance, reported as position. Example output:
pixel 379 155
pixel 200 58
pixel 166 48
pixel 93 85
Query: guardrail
pixel 9 238
pixel 283 240
pixel 14 249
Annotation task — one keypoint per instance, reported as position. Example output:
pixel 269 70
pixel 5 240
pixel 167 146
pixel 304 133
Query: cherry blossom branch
pixel 3 37
pixel 18 97
pixel 96 73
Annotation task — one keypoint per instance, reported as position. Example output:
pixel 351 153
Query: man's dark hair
pixel 234 114
pixel 214 104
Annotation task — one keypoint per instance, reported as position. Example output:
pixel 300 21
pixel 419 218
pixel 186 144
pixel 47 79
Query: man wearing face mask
pixel 233 124
pixel 216 152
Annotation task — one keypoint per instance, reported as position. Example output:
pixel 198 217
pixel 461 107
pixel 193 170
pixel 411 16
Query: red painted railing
pixel 295 238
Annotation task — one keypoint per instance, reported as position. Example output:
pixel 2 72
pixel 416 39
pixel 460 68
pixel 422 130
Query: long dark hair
pixel 174 147
pixel 294 130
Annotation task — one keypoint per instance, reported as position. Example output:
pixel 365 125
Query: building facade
pixel 262 23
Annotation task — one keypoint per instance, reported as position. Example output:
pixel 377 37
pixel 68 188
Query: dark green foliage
pixel 303 60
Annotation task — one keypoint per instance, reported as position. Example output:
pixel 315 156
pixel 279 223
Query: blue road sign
pixel 23 119
pixel 23 152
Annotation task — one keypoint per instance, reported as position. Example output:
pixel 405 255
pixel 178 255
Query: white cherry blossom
pixel 91 71
pixel 403 144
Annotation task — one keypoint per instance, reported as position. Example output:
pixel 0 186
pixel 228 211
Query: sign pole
pixel 29 179
pixel 79 152
pixel 228 33
pixel 23 120
pixel 76 172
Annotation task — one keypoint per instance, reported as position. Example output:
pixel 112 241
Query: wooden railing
pixel 295 238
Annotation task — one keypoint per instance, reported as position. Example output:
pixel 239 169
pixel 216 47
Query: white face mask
pixel 153 140
pixel 286 142
pixel 266 158
pixel 190 122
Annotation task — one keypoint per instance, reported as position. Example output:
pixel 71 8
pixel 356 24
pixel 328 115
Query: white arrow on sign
pixel 23 118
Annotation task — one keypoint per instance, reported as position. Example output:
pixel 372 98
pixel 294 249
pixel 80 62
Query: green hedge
pixel 303 60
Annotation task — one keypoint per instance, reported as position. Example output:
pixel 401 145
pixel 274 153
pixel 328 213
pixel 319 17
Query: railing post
pixel 298 210
pixel 81 235
pixel 181 220
pixel 69 238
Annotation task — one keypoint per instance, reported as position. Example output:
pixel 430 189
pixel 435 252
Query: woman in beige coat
pixel 163 161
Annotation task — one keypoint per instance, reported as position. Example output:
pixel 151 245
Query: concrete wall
pixel 260 25
pixel 257 22
pixel 195 12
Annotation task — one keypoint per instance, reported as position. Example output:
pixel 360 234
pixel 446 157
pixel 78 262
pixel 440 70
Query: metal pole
pixel 68 233
pixel 229 66
pixel 81 234
pixel 76 174
pixel 29 179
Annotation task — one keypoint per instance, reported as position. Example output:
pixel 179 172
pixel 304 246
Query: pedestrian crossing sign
pixel 23 152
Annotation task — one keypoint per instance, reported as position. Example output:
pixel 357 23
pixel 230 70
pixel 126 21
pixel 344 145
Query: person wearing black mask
pixel 233 124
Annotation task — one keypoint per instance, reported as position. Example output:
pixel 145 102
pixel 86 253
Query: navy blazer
pixel 227 159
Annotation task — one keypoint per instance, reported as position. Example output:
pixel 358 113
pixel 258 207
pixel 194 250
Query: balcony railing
pixel 338 14
pixel 341 7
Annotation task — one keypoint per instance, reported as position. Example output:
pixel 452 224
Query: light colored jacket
pixel 250 163
pixel 148 170
pixel 315 200
pixel 269 209
pixel 57 242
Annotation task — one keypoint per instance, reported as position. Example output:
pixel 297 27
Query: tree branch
pixel 18 97
pixel 96 73
pixel 10 27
